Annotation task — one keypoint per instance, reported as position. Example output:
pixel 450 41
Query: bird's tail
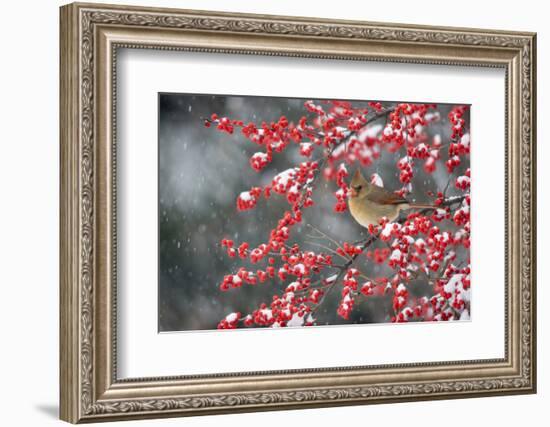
pixel 422 206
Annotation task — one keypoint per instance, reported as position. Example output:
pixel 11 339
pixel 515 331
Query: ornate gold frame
pixel 90 36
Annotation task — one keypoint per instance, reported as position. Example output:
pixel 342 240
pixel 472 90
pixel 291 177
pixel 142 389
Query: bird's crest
pixel 358 178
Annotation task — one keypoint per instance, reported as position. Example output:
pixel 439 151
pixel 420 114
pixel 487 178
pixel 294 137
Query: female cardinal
pixel 368 203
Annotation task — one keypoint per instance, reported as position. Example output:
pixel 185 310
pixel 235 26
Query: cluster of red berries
pixel 344 136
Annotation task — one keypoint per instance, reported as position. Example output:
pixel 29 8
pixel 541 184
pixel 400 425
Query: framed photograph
pixel 267 212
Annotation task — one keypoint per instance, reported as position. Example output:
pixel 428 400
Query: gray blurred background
pixel 201 173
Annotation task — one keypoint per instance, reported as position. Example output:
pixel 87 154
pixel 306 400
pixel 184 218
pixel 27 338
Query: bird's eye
pixel 358 187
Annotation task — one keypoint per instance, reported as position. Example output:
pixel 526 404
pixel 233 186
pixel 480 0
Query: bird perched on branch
pixel 368 203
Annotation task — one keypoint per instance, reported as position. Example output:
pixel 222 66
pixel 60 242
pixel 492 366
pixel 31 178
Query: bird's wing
pixel 385 197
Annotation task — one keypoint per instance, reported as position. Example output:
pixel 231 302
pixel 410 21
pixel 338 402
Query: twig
pixel 325 236
pixel 343 270
pixel 447 186
pixel 327 248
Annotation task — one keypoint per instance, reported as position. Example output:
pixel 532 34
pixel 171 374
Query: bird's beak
pixel 352 193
